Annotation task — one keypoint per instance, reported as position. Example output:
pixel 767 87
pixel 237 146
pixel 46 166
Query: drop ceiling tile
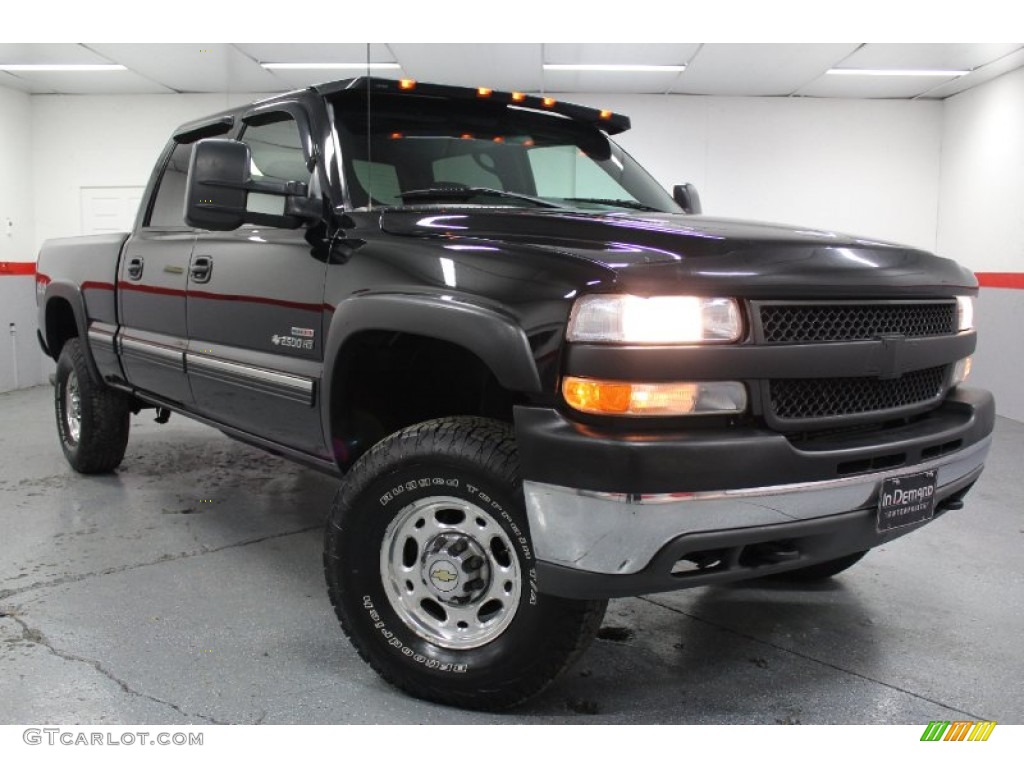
pixel 869 87
pixel 48 53
pixel 292 79
pixel 608 82
pixel 91 82
pixel 8 80
pixel 192 67
pixel 619 53
pixel 506 66
pixel 978 76
pixel 758 69
pixel 927 55
pixel 315 52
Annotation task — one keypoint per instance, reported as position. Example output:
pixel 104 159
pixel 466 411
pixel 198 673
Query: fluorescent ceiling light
pixel 900 72
pixel 329 65
pixel 62 67
pixel 615 67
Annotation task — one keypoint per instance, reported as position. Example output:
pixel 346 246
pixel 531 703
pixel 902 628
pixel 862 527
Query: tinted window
pixel 427 144
pixel 276 149
pixel 169 205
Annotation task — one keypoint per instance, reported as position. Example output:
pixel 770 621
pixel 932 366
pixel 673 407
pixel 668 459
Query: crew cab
pixel 542 380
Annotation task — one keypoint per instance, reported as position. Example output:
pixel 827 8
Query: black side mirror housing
pixel 218 187
pixel 687 197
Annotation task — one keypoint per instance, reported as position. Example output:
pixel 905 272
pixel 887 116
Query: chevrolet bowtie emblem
pixel 441 574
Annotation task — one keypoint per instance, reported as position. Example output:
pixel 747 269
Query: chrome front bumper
pixel 620 534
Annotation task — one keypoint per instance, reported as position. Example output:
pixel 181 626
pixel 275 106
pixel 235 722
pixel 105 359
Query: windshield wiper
pixel 631 204
pixel 460 192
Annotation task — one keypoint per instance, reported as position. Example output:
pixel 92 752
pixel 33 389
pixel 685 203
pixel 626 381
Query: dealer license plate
pixel 906 500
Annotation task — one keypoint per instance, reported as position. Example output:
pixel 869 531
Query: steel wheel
pixel 450 573
pixel 73 407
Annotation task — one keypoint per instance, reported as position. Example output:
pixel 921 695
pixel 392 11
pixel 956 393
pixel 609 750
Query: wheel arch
pixel 480 335
pixel 64 317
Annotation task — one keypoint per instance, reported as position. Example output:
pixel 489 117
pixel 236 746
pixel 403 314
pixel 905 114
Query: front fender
pixel 493 336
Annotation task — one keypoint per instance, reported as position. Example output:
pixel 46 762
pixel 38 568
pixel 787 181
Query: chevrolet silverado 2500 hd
pixel 543 380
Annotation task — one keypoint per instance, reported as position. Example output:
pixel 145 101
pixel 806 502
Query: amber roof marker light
pixel 407 85
pixel 483 93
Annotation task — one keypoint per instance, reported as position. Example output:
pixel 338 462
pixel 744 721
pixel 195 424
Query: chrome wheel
pixel 450 572
pixel 73 407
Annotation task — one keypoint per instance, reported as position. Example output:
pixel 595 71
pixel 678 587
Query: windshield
pixel 418 150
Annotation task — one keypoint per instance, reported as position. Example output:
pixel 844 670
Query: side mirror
pixel 219 184
pixel 687 197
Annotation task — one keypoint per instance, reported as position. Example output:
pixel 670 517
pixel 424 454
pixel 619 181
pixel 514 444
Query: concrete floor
pixel 188 588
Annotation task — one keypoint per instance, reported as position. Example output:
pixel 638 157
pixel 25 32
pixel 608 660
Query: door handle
pixel 135 265
pixel 202 269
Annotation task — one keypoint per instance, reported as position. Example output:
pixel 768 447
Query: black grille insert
pixel 824 398
pixel 794 323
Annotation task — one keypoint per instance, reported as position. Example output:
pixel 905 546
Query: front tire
pixel 431 570
pixel 92 418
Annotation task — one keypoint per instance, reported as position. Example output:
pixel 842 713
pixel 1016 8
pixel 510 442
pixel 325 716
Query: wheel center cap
pixel 454 568
pixel 443 575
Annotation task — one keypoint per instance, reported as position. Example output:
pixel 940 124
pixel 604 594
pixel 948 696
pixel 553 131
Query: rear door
pixel 255 302
pixel 151 287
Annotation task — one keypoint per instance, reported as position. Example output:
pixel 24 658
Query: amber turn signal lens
pixel 592 396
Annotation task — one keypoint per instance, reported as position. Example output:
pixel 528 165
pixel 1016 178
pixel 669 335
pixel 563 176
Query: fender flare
pixel 73 295
pixel 493 336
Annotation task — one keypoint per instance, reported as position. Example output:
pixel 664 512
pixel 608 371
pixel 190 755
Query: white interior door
pixel 109 209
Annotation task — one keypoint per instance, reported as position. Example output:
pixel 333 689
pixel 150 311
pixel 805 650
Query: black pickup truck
pixel 543 380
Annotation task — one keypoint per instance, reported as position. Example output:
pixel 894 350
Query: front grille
pixel 794 323
pixel 824 398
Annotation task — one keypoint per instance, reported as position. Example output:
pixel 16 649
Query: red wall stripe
pixel 17 268
pixel 1000 279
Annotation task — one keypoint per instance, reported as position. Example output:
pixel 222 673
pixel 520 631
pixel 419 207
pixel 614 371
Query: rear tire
pixel 820 571
pixel 431 570
pixel 92 418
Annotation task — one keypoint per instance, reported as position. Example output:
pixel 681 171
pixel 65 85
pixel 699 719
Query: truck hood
pixel 649 252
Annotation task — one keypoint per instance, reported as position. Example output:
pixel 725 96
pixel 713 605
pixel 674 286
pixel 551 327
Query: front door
pixel 255 307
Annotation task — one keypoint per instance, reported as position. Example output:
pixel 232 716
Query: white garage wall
pixel 102 141
pixel 981 223
pixel 19 352
pixel 860 166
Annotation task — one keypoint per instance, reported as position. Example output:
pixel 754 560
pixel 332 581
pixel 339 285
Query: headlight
pixel 655 320
pixel 964 313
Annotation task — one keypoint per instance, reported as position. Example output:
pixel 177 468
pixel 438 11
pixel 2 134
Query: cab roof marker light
pixel 484 92
pixel 547 101
pixel 406 85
